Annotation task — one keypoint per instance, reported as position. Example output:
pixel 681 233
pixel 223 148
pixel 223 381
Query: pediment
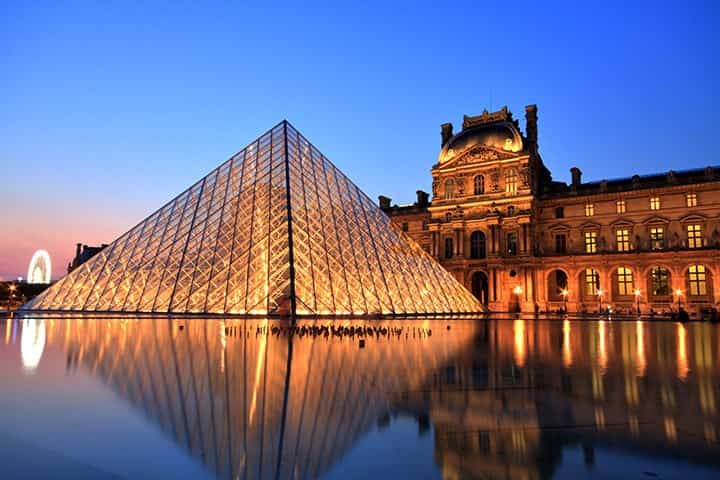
pixel 656 220
pixel 694 217
pixel 590 226
pixel 473 156
pixel 622 222
pixel 560 227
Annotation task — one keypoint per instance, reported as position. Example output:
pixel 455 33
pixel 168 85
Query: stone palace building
pixel 520 241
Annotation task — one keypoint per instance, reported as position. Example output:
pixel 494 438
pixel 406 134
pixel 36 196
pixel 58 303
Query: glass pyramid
pixel 276 229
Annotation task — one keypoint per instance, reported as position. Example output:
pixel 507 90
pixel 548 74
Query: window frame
pixel 479 184
pixel 694 232
pixel 624 281
pixel 620 206
pixel 657 242
pixel 655 204
pixel 659 278
pixel 622 239
pixel 697 278
pixel 691 200
pixel 589 209
pixel 511 181
pixel 590 246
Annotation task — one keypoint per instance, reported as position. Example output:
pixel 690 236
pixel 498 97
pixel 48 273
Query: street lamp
pixel 518 291
pixel 600 294
pixel 637 300
pixel 678 294
pixel 11 294
pixel 564 294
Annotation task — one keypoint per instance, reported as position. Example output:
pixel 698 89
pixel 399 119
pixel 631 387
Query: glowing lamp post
pixel 518 291
pixel 637 300
pixel 564 294
pixel 678 294
pixel 599 295
pixel 11 294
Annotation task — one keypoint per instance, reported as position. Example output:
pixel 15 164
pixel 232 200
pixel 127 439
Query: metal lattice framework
pixel 276 228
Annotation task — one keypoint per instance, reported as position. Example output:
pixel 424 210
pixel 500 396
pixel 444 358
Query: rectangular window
pixel 694 236
pixel 590 242
pixel 592 282
pixel 622 237
pixel 624 281
pixel 698 280
pixel 425 225
pixel 448 247
pixel 405 226
pixel 620 206
pixel 559 212
pixel 691 200
pixel 657 238
pixel 654 203
pixel 589 209
pixel 511 181
pixel 512 246
pixel 660 281
pixel 560 243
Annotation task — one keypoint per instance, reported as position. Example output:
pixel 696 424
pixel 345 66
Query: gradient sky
pixel 109 109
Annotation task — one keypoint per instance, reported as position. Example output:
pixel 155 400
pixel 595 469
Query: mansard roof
pixel 636 182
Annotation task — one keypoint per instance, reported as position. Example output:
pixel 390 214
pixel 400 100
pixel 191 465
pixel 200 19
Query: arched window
pixel 591 282
pixel 477 244
pixel 448 247
pixel 659 282
pixel 624 279
pixel 479 184
pixel 697 281
pixel 557 285
pixel 511 180
pixel 449 188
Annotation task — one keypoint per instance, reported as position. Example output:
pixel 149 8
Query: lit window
pixel 589 209
pixel 694 236
pixel 512 243
pixel 620 206
pixel 691 200
pixel 559 212
pixel 592 282
pixel 511 181
pixel 449 189
pixel 622 236
pixel 654 203
pixel 405 226
pixel 479 184
pixel 697 278
pixel 624 278
pixel 659 279
pixel 590 242
pixel 560 243
pixel 657 238
pixel 448 247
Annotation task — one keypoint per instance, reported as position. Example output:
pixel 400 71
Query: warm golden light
pixel 517 290
pixel 637 292
pixel 564 292
pixel 520 347
pixel 682 359
pixel 32 343
pixel 602 346
pixel 566 347
pixel 600 293
pixel 641 361
pixel 678 292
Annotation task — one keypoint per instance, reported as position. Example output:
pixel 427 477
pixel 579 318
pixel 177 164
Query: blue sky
pixel 108 109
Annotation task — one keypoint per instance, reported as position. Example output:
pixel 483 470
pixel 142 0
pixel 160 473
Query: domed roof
pixel 501 134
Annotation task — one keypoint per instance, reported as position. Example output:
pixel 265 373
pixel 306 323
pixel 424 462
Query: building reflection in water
pixel 259 399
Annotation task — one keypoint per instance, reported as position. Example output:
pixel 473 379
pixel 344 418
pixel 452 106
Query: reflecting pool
pixel 414 398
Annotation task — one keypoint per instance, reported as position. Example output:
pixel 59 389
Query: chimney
pixel 384 201
pixel 576 175
pixel 77 250
pixel 446 132
pixel 422 198
pixel 531 124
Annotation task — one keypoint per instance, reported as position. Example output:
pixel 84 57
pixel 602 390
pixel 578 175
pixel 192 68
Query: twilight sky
pixel 109 109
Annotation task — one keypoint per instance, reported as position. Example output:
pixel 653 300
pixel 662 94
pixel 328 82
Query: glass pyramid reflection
pixel 277 228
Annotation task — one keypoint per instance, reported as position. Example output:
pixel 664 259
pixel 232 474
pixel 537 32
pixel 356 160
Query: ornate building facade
pixel 522 242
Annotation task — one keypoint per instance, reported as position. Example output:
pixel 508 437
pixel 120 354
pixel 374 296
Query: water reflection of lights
pixel 566 349
pixel 519 333
pixel 32 343
pixel 682 360
pixel 641 361
pixel 602 346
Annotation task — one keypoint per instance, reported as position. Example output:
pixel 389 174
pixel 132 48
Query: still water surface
pixel 493 398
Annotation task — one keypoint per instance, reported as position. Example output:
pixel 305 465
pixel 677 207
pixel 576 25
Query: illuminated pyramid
pixel 275 229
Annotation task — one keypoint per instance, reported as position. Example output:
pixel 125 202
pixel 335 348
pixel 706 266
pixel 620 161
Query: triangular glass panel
pixel 276 229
